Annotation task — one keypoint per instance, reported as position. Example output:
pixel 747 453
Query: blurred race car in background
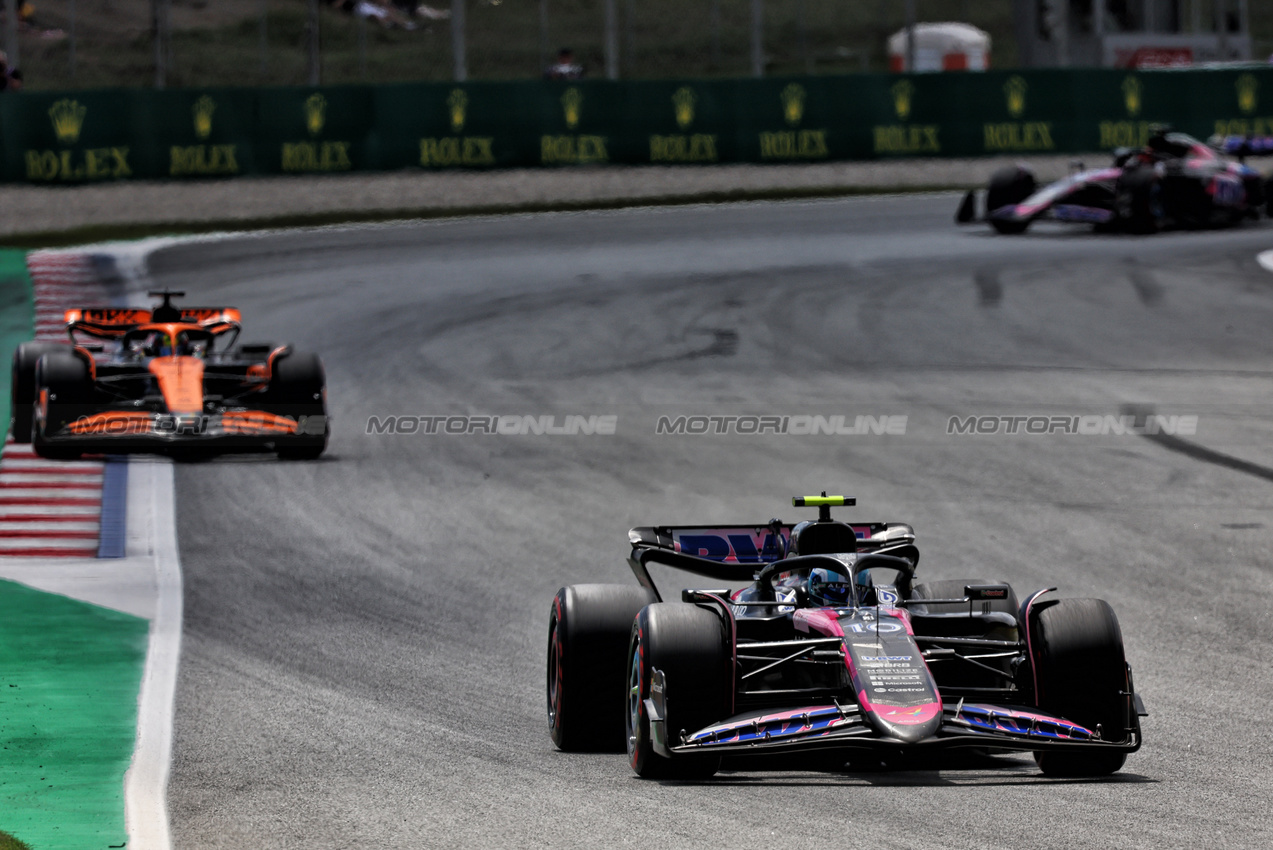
pixel 171 380
pixel 1175 181
pixel 830 649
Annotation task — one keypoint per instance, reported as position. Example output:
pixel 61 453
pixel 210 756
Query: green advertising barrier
pixel 204 133
pixel 678 123
pixel 76 137
pixel 315 130
pixel 54 138
pixel 472 125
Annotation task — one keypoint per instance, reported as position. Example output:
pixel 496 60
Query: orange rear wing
pixel 117 321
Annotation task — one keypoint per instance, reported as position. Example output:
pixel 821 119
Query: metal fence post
pixel 612 40
pixel 910 36
pixel 714 16
pixel 362 48
pixel 159 14
pixel 629 39
pixel 315 56
pixel 71 40
pixel 757 38
pixel 543 36
pixel 265 42
pixel 11 34
pixel 459 51
pixel 802 38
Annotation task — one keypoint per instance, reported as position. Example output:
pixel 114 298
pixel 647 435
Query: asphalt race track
pixel 363 662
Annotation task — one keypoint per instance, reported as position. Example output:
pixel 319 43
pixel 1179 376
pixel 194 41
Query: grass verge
pixel 68 717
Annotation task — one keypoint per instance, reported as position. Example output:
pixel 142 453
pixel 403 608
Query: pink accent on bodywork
pixel 900 614
pixel 910 715
pixel 1029 645
pixel 1052 194
pixel 818 620
pixel 784 716
pixel 733 646
pixel 1017 714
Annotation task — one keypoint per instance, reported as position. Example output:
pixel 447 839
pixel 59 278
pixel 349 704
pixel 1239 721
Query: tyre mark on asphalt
pixel 1172 443
pixel 989 287
pixel 1148 290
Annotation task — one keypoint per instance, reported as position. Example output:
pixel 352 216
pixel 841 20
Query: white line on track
pixel 1265 259
pixel 146 783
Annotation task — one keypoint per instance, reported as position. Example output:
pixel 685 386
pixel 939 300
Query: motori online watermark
pixel 796 425
pixel 508 425
pixel 1087 425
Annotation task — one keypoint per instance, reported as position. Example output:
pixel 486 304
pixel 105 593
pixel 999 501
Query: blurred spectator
pixel 566 67
pixel 27 22
pixel 420 10
pixel 10 78
pixel 387 16
pixel 431 14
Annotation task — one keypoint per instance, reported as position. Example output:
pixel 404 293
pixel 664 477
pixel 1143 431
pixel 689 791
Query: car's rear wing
pixel 735 554
pixel 754 544
pixel 113 322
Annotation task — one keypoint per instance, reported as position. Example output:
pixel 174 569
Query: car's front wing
pixel 843 727
pixel 118 431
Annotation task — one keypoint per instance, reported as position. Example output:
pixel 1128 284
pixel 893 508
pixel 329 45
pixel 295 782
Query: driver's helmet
pixel 828 589
pixel 866 586
pixel 163 345
pixel 187 347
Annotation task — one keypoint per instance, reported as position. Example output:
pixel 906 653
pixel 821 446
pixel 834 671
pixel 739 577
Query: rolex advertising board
pixel 315 130
pixel 577 123
pixel 788 120
pixel 465 125
pixel 205 133
pixel 76 138
pixel 79 137
pixel 681 123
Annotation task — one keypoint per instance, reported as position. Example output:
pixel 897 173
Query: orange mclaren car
pixel 172 380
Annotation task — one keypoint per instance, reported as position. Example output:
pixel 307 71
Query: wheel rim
pixel 554 678
pixel 632 720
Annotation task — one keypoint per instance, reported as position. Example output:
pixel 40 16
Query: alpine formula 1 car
pixel 830 649
pixel 1174 181
pixel 171 380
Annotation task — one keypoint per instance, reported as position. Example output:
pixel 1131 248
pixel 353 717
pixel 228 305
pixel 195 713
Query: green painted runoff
pixel 70 673
pixel 17 318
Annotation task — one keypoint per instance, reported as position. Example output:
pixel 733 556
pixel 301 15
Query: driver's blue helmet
pixel 866 587
pixel 828 589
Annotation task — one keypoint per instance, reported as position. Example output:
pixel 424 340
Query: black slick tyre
pixel 22 385
pixel 1081 674
pixel 65 377
pixel 1009 227
pixel 1138 200
pixel 686 645
pixel 298 389
pixel 1008 186
pixel 588 630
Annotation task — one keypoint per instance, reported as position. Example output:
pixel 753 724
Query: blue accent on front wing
pixel 821 721
pixel 827 720
pixel 1074 212
pixel 1001 720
